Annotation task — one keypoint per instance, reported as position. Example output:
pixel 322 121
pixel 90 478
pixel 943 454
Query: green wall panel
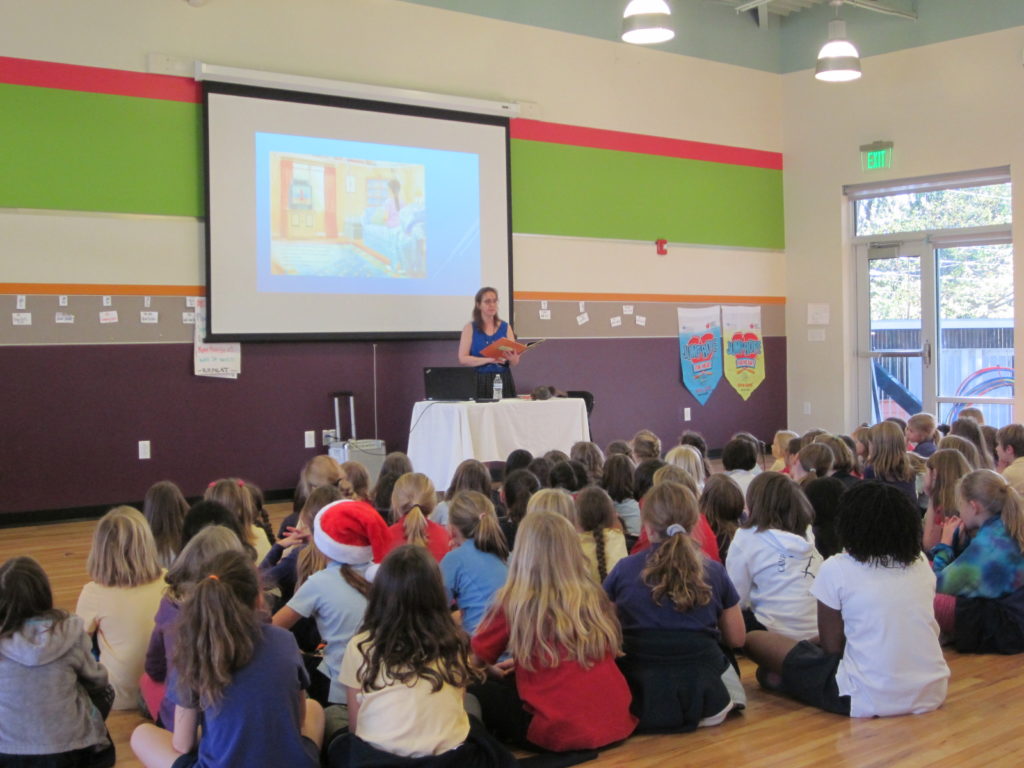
pixel 584 192
pixel 68 150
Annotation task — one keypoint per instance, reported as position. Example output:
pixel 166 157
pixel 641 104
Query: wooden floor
pixel 981 723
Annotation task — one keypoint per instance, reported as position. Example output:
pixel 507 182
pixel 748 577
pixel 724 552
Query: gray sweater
pixel 46 671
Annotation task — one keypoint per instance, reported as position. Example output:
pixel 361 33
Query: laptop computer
pixel 456 383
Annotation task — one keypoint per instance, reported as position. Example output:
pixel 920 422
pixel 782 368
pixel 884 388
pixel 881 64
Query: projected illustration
pixel 347 217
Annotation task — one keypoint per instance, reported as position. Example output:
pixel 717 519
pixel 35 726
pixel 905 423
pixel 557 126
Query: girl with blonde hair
pixel 354 482
pixel 231 492
pixel 887 459
pixel 475 569
pixel 118 605
pixel 564 638
pixel 689 458
pixel 556 500
pixel 318 471
pixel 412 502
pixel 675 606
pixel 992 565
pixel 780 445
pixel 944 468
pixel 966 448
pixel 241 678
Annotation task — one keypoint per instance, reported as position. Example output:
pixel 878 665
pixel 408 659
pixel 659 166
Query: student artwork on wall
pixel 744 348
pixel 700 349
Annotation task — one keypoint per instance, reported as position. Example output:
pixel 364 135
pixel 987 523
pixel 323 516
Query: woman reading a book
pixel 482 332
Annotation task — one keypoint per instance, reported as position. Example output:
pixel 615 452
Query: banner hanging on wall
pixel 744 348
pixel 700 349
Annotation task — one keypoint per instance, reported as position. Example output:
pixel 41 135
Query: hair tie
pixel 213 576
pixel 212 484
pixel 674 529
pixel 482 516
pixel 241 483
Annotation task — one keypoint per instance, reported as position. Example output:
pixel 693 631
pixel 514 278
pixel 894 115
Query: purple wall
pixel 72 416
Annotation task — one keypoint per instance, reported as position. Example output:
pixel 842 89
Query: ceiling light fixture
pixel 647 21
pixel 838 60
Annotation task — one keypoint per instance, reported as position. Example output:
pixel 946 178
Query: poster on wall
pixel 222 360
pixel 744 348
pixel 700 349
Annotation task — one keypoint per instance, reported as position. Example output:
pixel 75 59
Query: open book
pixel 497 349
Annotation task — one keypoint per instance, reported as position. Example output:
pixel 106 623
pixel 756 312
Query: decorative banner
pixel 700 350
pixel 744 348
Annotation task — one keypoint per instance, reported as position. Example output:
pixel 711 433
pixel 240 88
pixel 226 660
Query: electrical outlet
pixel 144 449
pixel 686 414
pixel 807 407
pixel 327 436
pixel 310 438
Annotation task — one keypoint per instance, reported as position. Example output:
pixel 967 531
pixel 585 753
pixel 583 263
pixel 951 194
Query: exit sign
pixel 876 156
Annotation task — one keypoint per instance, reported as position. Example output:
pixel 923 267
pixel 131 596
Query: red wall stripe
pixel 117 82
pixel 597 138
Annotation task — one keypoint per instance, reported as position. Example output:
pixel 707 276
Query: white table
pixel 444 434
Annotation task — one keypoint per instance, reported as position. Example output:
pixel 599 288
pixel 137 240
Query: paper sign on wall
pixel 744 348
pixel 222 361
pixel 700 349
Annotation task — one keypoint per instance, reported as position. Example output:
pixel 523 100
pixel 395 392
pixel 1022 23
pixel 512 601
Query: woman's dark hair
pixel 410 632
pixel 564 475
pixel 209 512
pixel 520 458
pixel 878 525
pixel 470 475
pixel 518 488
pixel 824 494
pixel 774 501
pixel 721 503
pixel 478 316
pixel 596 512
pixel 24 594
pixel 541 469
pixel 618 477
pixel 396 463
pixel 696 439
pixel 643 476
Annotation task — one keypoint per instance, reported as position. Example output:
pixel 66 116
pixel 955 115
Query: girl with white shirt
pixel 878 651
pixel 772 559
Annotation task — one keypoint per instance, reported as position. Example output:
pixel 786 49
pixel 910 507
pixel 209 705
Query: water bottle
pixel 497 387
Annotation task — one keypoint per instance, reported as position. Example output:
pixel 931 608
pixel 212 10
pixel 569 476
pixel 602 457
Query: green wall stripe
pixel 67 150
pixel 585 192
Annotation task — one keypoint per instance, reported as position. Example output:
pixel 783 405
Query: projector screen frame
pixel 211 86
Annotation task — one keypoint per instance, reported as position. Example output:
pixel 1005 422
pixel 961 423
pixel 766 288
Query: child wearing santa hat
pixel 353 538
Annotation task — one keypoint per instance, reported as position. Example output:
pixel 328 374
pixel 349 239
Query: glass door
pixel 975 350
pixel 896 342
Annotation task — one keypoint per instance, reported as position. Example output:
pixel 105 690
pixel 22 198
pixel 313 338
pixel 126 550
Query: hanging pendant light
pixel 838 59
pixel 647 21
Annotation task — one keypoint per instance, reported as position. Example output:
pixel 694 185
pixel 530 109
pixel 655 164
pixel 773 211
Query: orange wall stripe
pixel 97 289
pixel 638 297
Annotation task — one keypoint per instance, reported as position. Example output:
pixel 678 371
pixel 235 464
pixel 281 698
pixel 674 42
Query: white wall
pixel 951 106
pixel 559 78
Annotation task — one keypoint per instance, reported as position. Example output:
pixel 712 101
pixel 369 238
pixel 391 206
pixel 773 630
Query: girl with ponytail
pixel 412 502
pixel 676 606
pixel 474 570
pixel 244 677
pixel 600 531
pixel 992 565
pixel 814 461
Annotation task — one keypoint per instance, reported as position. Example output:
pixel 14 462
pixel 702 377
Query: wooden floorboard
pixel 979 725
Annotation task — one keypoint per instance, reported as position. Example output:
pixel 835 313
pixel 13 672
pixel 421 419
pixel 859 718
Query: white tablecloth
pixel 443 434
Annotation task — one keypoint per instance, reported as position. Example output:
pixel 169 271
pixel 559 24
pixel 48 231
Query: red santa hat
pixel 351 532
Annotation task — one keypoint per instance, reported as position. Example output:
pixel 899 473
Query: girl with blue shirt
pixel 475 568
pixel 486 328
pixel 239 679
pixel 992 565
